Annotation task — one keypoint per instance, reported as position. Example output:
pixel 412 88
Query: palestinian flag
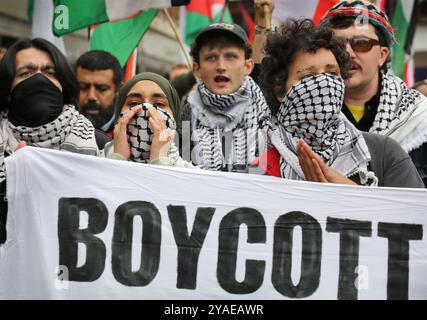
pixel 121 37
pixel 248 22
pixel 311 9
pixel 120 25
pixel 403 16
pixel 72 15
pixel 201 13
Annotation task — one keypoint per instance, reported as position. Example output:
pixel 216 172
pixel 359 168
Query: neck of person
pixel 358 96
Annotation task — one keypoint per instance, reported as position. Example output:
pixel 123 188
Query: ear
pixel 196 70
pixel 249 66
pixel 384 52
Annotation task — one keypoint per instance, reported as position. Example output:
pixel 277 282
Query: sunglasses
pixel 362 44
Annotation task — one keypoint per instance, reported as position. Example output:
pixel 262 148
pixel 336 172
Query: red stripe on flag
pixel 408 73
pixel 322 7
pixel 130 68
pixel 202 7
pixel 249 22
pixel 381 4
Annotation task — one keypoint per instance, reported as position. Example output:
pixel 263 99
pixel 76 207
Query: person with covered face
pixel 146 111
pixel 302 78
pixel 38 94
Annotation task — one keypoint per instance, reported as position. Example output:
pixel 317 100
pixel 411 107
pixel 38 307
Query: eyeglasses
pixel 362 44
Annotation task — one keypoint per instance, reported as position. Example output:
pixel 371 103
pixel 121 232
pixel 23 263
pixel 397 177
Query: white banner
pixel 81 227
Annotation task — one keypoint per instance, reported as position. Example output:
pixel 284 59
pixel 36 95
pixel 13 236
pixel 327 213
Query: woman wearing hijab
pixel 147 110
pixel 302 78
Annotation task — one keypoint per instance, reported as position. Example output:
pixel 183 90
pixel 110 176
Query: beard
pixel 104 114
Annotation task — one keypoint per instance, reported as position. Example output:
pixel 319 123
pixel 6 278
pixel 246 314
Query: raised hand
pixel 263 10
pixel 121 143
pixel 162 137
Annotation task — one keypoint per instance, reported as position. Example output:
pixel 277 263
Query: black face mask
pixel 35 101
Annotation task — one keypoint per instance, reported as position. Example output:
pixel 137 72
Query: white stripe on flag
pixel 407 6
pixel 125 8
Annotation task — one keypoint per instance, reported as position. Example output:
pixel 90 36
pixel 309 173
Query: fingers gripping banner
pixel 82 227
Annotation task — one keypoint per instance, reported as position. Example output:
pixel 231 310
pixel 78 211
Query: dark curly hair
pixel 344 22
pixel 282 46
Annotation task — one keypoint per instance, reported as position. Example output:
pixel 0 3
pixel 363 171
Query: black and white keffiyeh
pixel 401 113
pixel 311 111
pixel 229 131
pixel 71 131
pixel 140 135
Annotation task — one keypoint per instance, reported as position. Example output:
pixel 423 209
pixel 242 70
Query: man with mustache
pixel 375 100
pixel 100 77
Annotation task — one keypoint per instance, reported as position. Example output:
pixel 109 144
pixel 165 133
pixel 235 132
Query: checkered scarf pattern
pixel 359 8
pixel 397 105
pixel 71 131
pixel 241 119
pixel 140 135
pixel 311 110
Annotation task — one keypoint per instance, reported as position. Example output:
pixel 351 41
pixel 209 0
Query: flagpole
pixel 224 8
pixel 178 38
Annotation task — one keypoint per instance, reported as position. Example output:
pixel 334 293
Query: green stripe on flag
pixel 194 23
pixel 81 14
pixel 30 10
pixel 120 38
pixel 401 24
pixel 226 18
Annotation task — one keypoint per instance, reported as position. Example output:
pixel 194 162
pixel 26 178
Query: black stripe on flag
pixel 175 3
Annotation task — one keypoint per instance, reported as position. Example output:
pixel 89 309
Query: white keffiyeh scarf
pixel 401 113
pixel 229 131
pixel 140 135
pixel 70 131
pixel 311 111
